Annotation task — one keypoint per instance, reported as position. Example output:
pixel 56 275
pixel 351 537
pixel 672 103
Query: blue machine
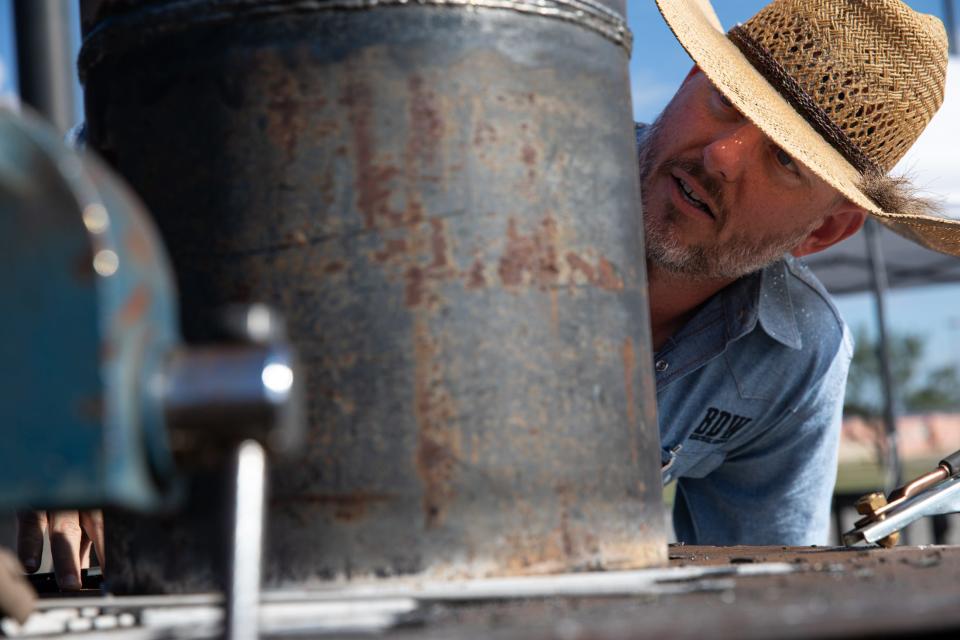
pixel 98 394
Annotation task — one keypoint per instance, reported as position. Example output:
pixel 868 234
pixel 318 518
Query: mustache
pixel 699 172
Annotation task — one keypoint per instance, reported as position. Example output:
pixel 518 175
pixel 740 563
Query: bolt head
pixel 869 503
pixel 890 541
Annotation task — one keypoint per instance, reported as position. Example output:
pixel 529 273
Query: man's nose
pixel 732 150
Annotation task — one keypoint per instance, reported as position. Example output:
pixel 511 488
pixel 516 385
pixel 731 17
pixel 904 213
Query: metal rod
pixel 45 59
pixel 243 590
pixel 950 21
pixel 892 471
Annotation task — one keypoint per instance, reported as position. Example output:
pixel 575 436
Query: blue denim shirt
pixel 750 393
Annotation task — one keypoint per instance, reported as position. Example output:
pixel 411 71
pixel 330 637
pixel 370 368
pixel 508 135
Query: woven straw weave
pixel 874 67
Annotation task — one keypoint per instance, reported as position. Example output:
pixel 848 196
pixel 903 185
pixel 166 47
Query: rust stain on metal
pixel 414 211
pixel 333 267
pixel 346 405
pixel 438 243
pixel 134 307
pixel 579 264
pixel 372 180
pixel 607 277
pixel 426 121
pixel 532 259
pixel 604 275
pixel 438 439
pixel 346 507
pixel 422 259
pixel 284 115
pixel 475 277
pixel 373 192
pixel 286 107
pixel 533 255
pixel 566 545
pixel 297 237
pixel 413 292
pixel 529 155
pixel 484 134
pixel 393 248
pixel 138 247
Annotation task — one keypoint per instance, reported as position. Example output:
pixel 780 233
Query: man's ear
pixel 694 70
pixel 845 221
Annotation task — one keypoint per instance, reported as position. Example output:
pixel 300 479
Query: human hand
pixel 16 595
pixel 72 534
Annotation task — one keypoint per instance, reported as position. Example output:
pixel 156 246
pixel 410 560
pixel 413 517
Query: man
pixel 776 146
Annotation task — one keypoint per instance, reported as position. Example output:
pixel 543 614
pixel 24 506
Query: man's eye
pixel 724 100
pixel 785 159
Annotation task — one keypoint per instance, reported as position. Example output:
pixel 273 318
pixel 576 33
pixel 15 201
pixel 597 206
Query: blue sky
pixel 8 79
pixel 657 66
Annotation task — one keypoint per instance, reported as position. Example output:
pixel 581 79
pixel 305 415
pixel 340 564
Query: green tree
pixel 915 391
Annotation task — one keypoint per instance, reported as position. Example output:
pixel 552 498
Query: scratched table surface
pixel 831 593
pixel 706 592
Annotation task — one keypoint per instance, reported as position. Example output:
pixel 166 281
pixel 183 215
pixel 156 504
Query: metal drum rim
pixel 150 21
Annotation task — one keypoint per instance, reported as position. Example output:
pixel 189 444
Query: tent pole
pixel 45 59
pixel 893 475
pixel 950 20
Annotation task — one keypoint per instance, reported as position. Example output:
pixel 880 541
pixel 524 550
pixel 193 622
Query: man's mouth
pixel 692 198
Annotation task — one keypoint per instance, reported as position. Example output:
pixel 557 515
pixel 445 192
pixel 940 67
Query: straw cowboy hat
pixel 844 86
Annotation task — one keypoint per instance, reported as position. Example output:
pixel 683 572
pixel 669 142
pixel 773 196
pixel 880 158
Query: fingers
pixel 92 523
pixel 85 545
pixel 66 542
pixel 31 527
pixel 72 535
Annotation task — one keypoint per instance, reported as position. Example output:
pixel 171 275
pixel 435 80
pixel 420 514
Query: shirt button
pixel 661 365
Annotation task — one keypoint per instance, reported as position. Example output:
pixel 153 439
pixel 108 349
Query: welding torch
pixel 934 493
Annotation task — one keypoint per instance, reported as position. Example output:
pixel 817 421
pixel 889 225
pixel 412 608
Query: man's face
pixel 721 199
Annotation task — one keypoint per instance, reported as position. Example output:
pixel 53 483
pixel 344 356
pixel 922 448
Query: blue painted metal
pixel 89 318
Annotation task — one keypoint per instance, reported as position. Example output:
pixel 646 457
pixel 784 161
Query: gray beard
pixel 727 260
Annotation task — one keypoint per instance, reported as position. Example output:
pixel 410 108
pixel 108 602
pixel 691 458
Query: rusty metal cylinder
pixel 442 199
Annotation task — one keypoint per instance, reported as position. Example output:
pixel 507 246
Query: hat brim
pixel 696 26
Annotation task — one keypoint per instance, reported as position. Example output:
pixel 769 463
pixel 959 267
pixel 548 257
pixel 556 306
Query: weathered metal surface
pixel 707 592
pixel 443 203
pixel 835 593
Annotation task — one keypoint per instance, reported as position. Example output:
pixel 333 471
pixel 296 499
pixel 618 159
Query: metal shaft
pixel 892 467
pixel 246 545
pixel 45 59
pixel 950 22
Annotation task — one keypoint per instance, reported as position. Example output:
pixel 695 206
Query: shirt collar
pixel 762 297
